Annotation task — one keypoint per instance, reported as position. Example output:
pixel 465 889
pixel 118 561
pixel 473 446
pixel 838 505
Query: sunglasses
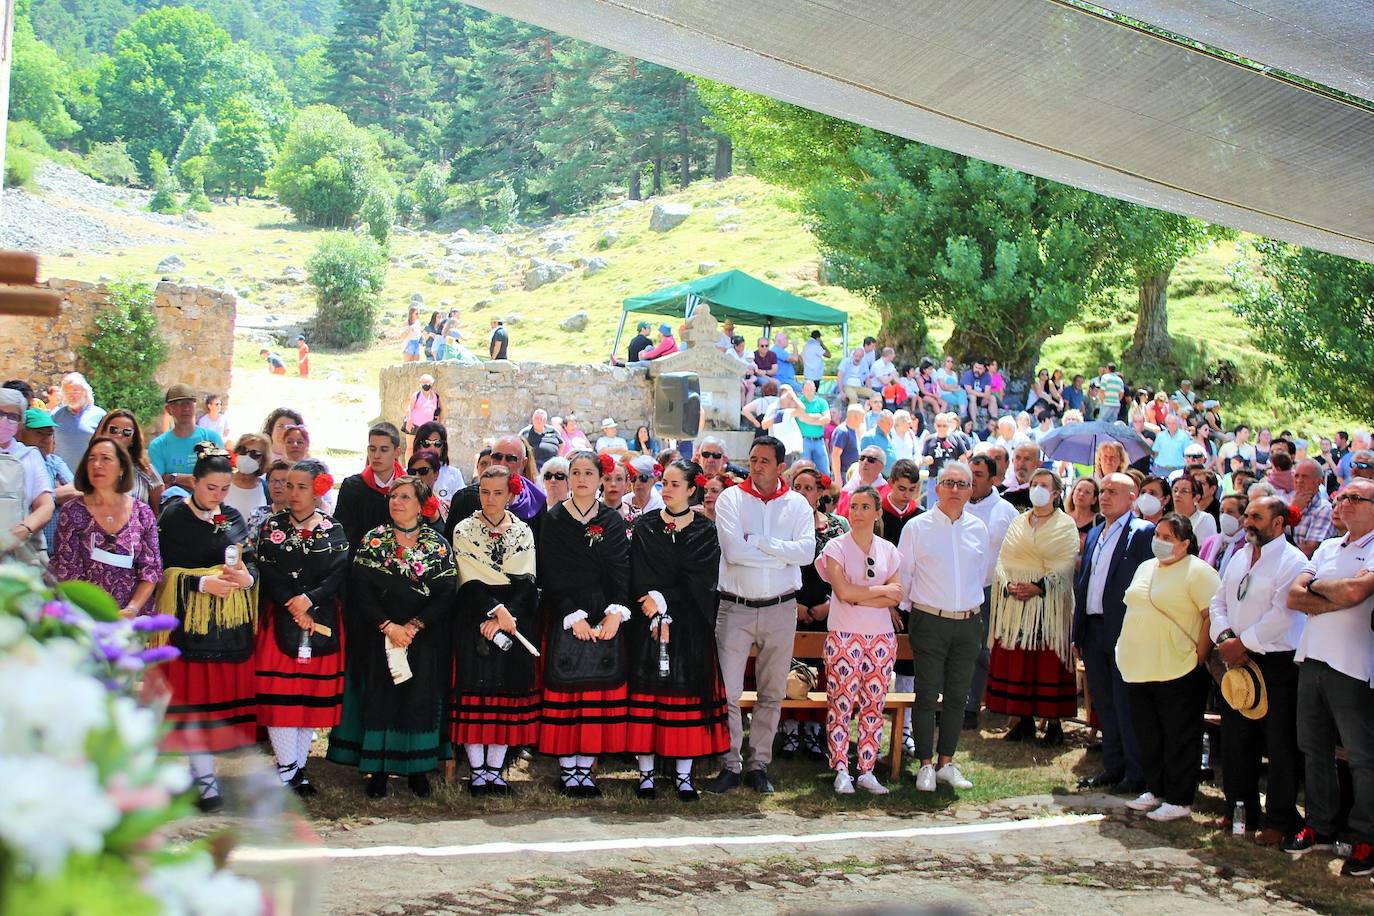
pixel 1244 588
pixel 871 459
pixel 126 433
pixel 432 443
pixel 555 475
pixel 869 572
pixel 420 472
pixel 256 456
pixel 644 478
pixel 1362 465
pixel 507 459
pixel 11 416
pixel 712 455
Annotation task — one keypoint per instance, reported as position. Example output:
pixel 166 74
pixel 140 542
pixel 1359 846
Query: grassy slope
pixel 255 241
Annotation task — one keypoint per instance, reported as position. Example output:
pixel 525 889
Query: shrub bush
pixel 348 272
pixel 328 168
pixel 124 350
pixel 379 215
pixel 431 191
pixel 20 165
pixel 111 163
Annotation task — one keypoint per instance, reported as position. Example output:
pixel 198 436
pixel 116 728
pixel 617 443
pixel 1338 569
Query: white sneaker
pixel 1145 802
pixel 1168 812
pixel 949 775
pixel 925 779
pixel 843 784
pixel 869 783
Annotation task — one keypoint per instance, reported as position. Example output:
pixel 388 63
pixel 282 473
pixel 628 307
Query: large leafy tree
pixel 40 85
pixel 1010 258
pixel 328 168
pixel 1315 312
pixel 242 148
pixel 158 79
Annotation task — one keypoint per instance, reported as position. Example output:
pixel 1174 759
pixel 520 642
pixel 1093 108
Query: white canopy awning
pixel 1047 88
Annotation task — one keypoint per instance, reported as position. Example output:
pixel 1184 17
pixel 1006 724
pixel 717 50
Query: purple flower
pixel 109 651
pixel 130 663
pixel 159 654
pixel 55 609
pixel 155 623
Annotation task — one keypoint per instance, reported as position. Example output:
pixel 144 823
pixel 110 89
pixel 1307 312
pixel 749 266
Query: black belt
pixel 756 602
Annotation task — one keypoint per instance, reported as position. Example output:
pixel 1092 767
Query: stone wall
pixel 498 397
pixel 197 323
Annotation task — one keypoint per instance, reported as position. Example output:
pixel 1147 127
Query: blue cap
pixel 664 329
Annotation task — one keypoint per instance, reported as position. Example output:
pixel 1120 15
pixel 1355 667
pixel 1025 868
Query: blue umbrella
pixel 1078 442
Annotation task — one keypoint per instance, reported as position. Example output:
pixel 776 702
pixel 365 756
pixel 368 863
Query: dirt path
pixel 1030 855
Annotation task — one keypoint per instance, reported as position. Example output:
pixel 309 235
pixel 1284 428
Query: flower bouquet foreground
pixel 84 795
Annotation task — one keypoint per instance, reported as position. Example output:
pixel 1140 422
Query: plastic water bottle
pixel 662 655
pixel 503 642
pixel 1206 751
pixel 303 650
pixel 1238 820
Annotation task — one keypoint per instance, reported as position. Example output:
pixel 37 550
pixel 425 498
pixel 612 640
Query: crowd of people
pixel 581 596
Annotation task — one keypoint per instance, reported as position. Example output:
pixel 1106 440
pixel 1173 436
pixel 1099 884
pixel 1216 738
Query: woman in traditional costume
pixel 584 579
pixel 209 581
pixel 677 699
pixel 1030 673
pixel 303 560
pixel 497 625
pixel 400 599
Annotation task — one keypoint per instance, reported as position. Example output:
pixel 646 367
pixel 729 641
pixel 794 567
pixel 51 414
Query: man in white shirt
pixel 944 563
pixel 883 371
pixel 767 534
pixel 853 375
pixel 1335 664
pixel 610 442
pixel 988 506
pixel 814 354
pixel 1251 621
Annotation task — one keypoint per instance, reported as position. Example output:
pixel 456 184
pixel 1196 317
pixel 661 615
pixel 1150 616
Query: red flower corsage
pixel 431 508
pixel 220 521
pixel 595 533
pixel 400 552
pixel 516 484
pixel 826 482
pixel 700 481
pixel 323 484
pixel 606 463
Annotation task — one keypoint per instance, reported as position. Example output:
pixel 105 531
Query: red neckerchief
pixel 370 478
pixel 911 507
pixel 748 487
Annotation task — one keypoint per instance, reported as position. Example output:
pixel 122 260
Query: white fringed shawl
pixel 1045 555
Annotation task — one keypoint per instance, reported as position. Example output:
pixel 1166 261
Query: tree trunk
pixel 1151 345
pixel 725 158
pixel 684 142
pixel 908 336
pixel 658 174
pixel 1017 356
pixel 636 175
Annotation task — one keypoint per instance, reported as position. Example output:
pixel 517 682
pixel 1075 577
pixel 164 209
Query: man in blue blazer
pixel 1113 551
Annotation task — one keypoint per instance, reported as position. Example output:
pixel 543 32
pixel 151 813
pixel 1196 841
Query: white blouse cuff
pixel 619 609
pixel 573 618
pixel 659 601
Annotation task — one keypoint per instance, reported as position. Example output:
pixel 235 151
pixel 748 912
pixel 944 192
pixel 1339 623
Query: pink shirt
pixel 854 618
pixel 422 408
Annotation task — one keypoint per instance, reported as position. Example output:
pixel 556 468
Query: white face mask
pixel 247 464
pixel 1163 550
pixel 1040 497
pixel 1148 504
pixel 1229 525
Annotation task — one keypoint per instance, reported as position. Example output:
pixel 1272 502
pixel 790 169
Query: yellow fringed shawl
pixel 1029 554
pixel 200 611
pixel 493 561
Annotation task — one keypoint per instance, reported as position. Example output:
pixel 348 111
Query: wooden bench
pixel 810 647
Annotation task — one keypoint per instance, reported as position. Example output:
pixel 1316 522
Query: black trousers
pixel 1331 703
pixel 1245 741
pixel 1111 700
pixel 1167 716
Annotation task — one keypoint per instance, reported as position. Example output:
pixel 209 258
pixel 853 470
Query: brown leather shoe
pixel 1269 837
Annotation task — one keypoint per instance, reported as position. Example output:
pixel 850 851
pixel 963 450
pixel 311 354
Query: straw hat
pixel 1243 689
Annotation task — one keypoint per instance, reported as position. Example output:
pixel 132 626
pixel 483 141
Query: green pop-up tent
pixel 737 296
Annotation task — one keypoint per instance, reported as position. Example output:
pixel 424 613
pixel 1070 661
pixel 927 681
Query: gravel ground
pixel 70 212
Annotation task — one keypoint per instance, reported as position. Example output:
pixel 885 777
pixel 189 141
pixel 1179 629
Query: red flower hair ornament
pixel 516 484
pixel 826 482
pixel 1294 516
pixel 606 463
pixel 658 469
pixel 700 481
pixel 430 509
pixel 322 485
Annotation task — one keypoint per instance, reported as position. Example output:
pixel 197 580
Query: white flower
pixel 174 777
pixel 12 629
pixel 46 706
pixel 194 888
pixel 52 809
pixel 135 725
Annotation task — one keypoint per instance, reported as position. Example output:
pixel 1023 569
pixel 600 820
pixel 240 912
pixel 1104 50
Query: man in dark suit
pixel 1113 551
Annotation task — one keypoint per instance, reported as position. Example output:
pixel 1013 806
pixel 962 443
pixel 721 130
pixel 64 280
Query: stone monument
pixel 719 375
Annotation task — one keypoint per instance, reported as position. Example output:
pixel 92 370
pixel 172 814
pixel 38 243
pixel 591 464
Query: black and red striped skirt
pixel 295 694
pixel 678 726
pixel 212 706
pixel 589 722
pixel 511 720
pixel 1030 682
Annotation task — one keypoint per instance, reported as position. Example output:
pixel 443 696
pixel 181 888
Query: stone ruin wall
pixel 489 399
pixel 197 323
